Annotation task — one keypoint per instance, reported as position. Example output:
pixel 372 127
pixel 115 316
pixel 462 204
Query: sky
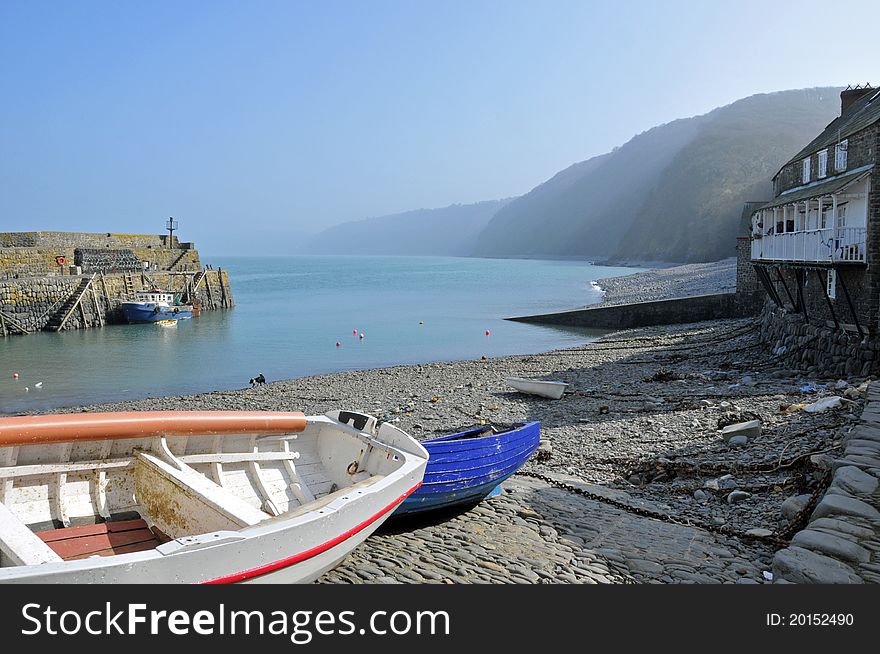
pixel 250 119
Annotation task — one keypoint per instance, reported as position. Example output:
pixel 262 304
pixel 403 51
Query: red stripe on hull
pixel 310 553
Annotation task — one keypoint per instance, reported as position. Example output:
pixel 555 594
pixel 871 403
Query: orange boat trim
pixel 65 428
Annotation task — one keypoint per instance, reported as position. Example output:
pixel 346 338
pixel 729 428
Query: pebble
pixel 738 496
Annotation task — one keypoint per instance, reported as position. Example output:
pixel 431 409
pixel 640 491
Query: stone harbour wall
pixel 34 253
pixel 35 304
pixel 818 349
pixel 841 543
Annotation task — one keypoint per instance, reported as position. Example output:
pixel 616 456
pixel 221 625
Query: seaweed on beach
pixel 664 375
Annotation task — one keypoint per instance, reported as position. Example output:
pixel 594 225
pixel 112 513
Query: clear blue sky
pixel 289 116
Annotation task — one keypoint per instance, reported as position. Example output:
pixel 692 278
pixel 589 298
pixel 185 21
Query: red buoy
pixel 338 343
pixel 484 358
pixel 15 375
pixel 354 331
pixel 487 332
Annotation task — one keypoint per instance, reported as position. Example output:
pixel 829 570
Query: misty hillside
pixel 451 231
pixel 673 193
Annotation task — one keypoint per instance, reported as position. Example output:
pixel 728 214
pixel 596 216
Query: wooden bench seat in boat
pixel 103 539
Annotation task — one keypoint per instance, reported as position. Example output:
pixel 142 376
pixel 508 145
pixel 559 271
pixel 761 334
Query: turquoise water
pixel 289 314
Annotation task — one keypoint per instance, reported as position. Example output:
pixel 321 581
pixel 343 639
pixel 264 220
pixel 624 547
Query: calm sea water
pixel 289 314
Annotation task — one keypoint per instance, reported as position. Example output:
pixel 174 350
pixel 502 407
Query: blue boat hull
pixel 139 312
pixel 464 468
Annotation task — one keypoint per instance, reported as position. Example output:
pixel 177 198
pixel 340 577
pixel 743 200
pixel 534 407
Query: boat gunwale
pixel 68 428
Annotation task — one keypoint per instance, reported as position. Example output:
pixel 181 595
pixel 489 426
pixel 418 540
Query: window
pixel 806 164
pixel 832 284
pixel 823 163
pixel 840 156
pixel 841 217
pixel 823 221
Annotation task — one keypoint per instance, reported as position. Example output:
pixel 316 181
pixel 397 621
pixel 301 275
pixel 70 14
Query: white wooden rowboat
pixel 551 389
pixel 195 497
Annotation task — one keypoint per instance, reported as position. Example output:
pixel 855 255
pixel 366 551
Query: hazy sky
pixel 290 116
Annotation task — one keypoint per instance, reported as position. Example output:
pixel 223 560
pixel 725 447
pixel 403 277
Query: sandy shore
pixel 624 432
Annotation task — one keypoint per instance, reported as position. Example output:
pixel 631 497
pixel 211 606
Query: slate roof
pixel 863 113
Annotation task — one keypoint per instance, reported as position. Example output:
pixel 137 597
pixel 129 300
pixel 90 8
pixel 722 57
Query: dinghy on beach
pixel 464 468
pixel 195 497
pixel 552 389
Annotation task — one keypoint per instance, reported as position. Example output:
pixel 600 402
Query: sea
pixel 305 315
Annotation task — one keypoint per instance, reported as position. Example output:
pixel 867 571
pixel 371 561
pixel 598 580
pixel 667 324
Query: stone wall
pixel 816 349
pixel 860 151
pixel 35 253
pixel 35 304
pixel 812 282
pixel 841 543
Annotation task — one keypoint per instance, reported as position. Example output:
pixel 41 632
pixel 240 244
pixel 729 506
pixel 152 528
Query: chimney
pixel 851 94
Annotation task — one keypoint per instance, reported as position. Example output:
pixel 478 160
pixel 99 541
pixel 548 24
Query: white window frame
pixel 823 163
pixel 840 155
pixel 832 284
pixel 806 170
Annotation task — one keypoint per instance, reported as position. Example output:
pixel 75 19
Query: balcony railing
pixel 834 244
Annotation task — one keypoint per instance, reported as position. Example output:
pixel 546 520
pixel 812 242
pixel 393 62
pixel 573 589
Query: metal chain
pixel 779 539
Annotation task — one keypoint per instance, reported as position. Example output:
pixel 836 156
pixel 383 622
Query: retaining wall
pixel 817 349
pixel 646 314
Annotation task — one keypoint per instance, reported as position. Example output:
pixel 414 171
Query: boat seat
pixel 314 505
pixel 103 539
pixel 182 502
pixel 19 545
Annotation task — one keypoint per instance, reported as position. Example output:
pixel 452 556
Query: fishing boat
pixel 195 497
pixel 551 389
pixel 465 467
pixel 154 305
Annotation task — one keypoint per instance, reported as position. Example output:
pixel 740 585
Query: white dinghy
pixel 195 497
pixel 552 389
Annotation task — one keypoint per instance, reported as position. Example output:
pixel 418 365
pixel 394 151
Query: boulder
pixel 748 429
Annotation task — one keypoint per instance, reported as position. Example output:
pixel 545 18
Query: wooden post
pixel 3 324
pixel 222 288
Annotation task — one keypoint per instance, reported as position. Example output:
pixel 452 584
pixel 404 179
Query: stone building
pixel 815 246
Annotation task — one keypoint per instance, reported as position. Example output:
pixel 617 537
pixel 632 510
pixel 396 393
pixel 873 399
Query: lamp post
pixel 170 225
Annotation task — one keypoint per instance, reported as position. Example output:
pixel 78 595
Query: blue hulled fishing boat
pixel 154 306
pixel 464 468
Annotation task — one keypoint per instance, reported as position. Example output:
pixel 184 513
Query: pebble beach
pixel 669 497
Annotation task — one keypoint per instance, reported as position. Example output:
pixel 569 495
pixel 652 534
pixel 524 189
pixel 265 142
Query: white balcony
pixel 831 245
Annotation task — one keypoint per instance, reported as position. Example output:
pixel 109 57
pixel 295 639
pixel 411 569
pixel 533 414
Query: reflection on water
pixel 290 313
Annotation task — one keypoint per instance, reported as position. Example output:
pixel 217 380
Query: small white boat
pixel 195 497
pixel 552 389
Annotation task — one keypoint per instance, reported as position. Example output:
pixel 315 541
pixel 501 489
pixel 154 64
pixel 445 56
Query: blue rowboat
pixel 464 468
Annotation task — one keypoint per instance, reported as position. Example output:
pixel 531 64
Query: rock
pixel 712 484
pixel 824 543
pixel 842 527
pixel 747 380
pixel 803 566
pixel 837 505
pixel 855 480
pixel 794 505
pixel 544 451
pixel 700 496
pixel 738 496
pixel 738 441
pixel 758 531
pixel 748 429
